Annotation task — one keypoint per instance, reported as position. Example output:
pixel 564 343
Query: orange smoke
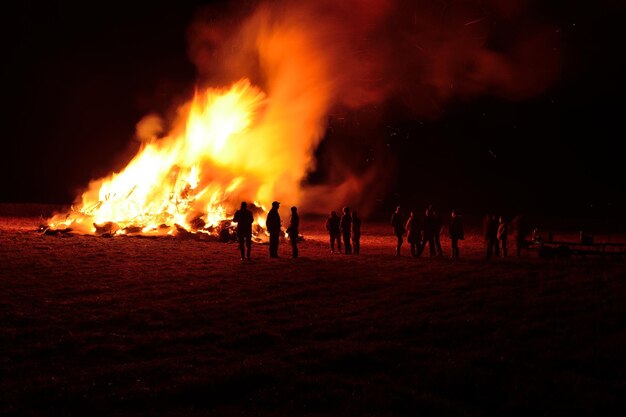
pixel 342 56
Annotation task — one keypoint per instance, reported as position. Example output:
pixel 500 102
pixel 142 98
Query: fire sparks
pixel 190 180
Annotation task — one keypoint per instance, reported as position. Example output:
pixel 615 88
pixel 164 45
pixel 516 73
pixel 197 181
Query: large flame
pixel 191 180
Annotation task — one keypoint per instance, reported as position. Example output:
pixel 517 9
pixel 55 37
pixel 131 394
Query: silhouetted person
pixel 244 219
pixel 273 227
pixel 503 234
pixel 397 222
pixel 334 231
pixel 356 233
pixel 436 230
pixel 519 232
pixel 490 227
pixel 293 231
pixel 428 236
pixel 456 232
pixel 414 234
pixel 346 229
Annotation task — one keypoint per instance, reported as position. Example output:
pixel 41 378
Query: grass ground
pixel 180 327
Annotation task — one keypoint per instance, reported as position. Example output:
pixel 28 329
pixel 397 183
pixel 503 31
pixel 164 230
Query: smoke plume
pixel 313 58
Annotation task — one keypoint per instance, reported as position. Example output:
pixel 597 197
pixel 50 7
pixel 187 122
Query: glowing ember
pixel 190 180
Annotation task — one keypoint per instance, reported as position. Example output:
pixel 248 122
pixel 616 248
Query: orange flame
pixel 192 180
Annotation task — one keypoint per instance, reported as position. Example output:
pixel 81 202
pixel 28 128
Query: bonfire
pixel 189 181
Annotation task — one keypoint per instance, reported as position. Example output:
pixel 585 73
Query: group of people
pixel 427 230
pixel 496 231
pixel 244 219
pixel 348 227
pixel 422 231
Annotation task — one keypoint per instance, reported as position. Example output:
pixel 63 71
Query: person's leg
pixel 274 245
pixel 504 248
pixel 431 246
pixel 420 247
pixel 248 246
pixel 241 238
pixel 294 248
pixel 346 243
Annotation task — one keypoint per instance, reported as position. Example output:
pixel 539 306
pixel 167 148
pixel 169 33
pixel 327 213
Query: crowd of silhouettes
pixel 425 231
pixel 496 233
pixel 345 232
pixel 346 228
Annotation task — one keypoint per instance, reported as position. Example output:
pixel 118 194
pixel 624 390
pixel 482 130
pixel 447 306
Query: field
pixel 180 327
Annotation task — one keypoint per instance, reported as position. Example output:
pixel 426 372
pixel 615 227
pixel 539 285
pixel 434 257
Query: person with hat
pixel 273 227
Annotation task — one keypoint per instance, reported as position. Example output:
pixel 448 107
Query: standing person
pixel 456 232
pixel 520 231
pixel 503 232
pixel 334 231
pixel 293 231
pixel 436 223
pixel 273 227
pixel 397 222
pixel 356 233
pixel 428 235
pixel 414 234
pixel 490 226
pixel 244 219
pixel 346 229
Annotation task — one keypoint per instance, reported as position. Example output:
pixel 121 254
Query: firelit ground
pixel 180 327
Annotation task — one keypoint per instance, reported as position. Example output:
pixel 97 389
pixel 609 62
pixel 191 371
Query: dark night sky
pixel 78 76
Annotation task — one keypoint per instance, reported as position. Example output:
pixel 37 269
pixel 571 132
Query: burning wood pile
pixel 223 230
pixel 186 183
